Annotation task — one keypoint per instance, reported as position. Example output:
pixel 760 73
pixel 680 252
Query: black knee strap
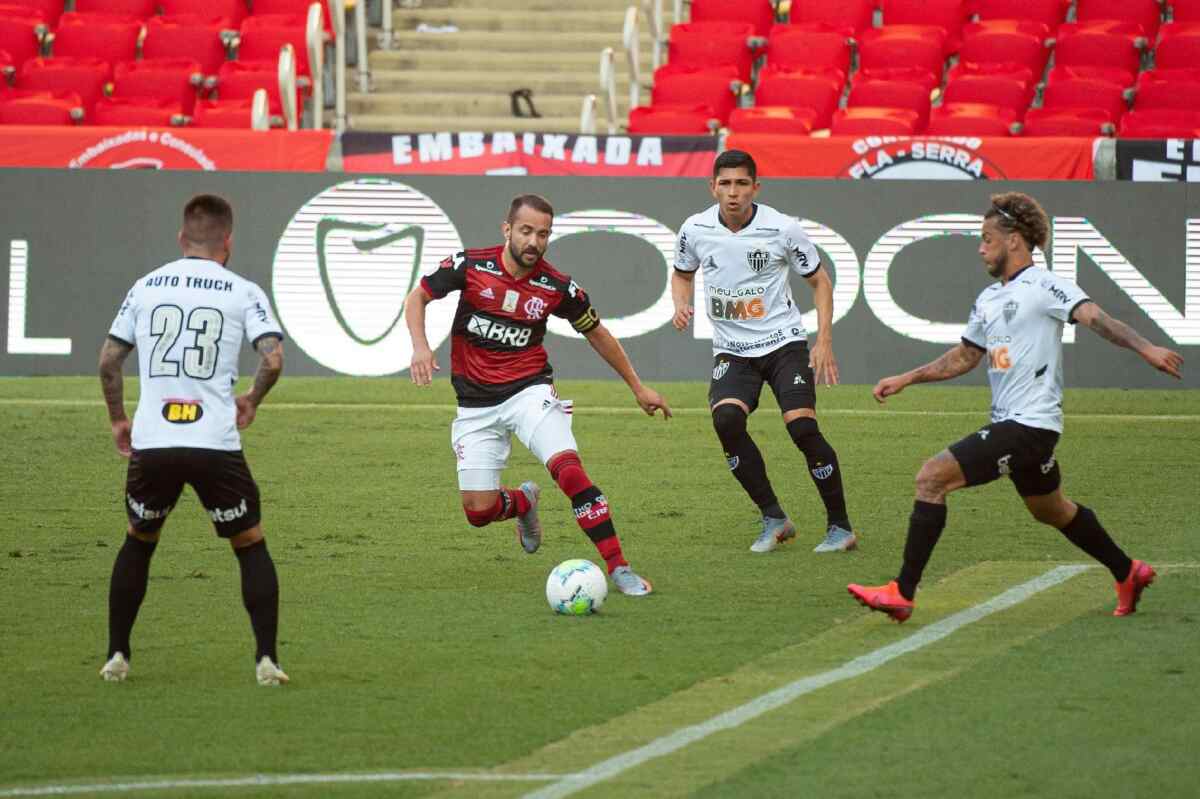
pixel 802 429
pixel 729 421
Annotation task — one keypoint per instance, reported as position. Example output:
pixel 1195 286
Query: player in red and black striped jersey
pixel 504 382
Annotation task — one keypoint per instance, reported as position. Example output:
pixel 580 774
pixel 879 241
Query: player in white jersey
pixel 1017 323
pixel 747 251
pixel 187 320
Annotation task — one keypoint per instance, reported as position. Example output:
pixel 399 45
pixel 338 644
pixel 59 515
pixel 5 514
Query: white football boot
pixel 837 539
pixel 267 673
pixel 116 669
pixel 529 527
pixel 629 583
pixel 774 532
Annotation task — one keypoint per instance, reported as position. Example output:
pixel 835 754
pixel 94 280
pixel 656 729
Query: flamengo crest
pixel 758 259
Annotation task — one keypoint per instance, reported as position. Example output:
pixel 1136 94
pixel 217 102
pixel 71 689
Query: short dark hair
pixel 733 159
pixel 207 220
pixel 535 201
pixel 1015 212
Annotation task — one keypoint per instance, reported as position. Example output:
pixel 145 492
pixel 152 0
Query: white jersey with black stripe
pixel 747 295
pixel 1019 324
pixel 187 320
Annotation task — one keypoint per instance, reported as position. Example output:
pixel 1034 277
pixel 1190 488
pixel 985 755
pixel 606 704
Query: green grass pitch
pixel 417 643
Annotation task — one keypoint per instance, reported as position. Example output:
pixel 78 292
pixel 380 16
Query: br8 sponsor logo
pixel 182 412
pixel 736 309
pixel 495 331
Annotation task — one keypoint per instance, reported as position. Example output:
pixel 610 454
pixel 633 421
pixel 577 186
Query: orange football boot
pixel 884 598
pixel 1129 590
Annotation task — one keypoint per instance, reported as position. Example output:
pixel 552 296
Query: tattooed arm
pixel 112 383
pixel 958 361
pixel 1121 334
pixel 270 366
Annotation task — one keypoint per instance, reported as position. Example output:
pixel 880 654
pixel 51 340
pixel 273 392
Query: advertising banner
pixel 164 148
pixel 919 157
pixel 336 255
pixel 1158 161
pixel 447 153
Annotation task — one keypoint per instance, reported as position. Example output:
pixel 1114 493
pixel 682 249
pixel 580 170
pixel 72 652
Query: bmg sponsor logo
pixel 182 411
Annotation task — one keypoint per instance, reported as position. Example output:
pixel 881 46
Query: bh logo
pixel 346 262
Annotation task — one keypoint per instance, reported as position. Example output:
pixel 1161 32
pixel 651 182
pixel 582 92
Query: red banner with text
pixel 164 148
pixel 919 157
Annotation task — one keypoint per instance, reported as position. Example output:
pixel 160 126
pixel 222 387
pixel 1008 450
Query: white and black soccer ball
pixel 576 587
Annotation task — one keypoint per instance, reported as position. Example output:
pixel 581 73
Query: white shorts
pixel 481 436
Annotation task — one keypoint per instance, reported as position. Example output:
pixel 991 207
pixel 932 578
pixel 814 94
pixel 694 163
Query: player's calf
pixel 590 506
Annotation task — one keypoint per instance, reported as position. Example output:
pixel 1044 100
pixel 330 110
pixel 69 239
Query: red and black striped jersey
pixel 496 340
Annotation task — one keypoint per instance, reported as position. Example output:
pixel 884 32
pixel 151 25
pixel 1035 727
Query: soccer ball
pixel 576 587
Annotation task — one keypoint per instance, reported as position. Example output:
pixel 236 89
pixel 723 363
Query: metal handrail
pixel 587 116
pixel 631 42
pixel 314 39
pixel 608 85
pixel 338 9
pixel 287 86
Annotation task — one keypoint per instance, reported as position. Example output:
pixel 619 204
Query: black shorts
pixel 1025 454
pixel 220 478
pixel 785 369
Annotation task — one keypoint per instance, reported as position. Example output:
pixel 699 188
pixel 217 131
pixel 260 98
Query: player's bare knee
pixel 931 483
pixel 149 538
pixel 480 507
pixel 247 538
pixel 1056 514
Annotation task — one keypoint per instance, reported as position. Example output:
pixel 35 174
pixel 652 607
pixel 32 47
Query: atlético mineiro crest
pixel 1010 310
pixel 720 369
pixel 758 259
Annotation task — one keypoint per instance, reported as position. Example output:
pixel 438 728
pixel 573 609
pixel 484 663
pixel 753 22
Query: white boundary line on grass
pixel 613 409
pixel 614 766
pixel 260 780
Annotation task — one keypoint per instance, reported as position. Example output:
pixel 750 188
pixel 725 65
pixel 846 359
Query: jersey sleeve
pixel 801 252
pixel 451 275
pixel 975 335
pixel 577 309
pixel 686 259
pixel 124 326
pixel 1061 297
pixel 259 321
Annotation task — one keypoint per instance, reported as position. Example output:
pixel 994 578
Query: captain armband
pixel 587 322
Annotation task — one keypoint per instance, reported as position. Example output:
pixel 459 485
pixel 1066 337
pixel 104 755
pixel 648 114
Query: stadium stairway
pixel 463 79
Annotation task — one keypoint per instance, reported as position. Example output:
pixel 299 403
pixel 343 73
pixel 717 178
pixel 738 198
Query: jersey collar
pixel 1018 273
pixel 750 221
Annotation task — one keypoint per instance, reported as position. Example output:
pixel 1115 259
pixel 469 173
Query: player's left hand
pixel 1165 360
pixel 246 411
pixel 823 364
pixel 651 401
pixel 122 437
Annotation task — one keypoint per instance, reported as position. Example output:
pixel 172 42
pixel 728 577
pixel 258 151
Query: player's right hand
pixel 423 366
pixel 887 387
pixel 122 437
pixel 683 316
pixel 1165 360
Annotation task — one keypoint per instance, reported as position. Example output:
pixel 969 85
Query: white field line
pixel 614 409
pixel 260 780
pixel 614 766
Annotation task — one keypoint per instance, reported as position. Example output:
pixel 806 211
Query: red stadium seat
pixel 233 10
pixel 1078 122
pixel 1050 13
pixel 18 107
pixel 186 37
pixel 223 113
pixel 671 120
pixel 1160 123
pixel 297 8
pixel 111 37
pixel 238 80
pixel 713 88
pixel 174 79
pixel 773 119
pixel 891 94
pixel 1072 94
pixel 850 17
pixel 1177 89
pixel 1104 48
pixel 1008 42
pixel 918 75
pixel 758 13
pixel 946 15
pixel 1178 48
pixel 867 121
pixel 971 119
pixel 703 45
pixel 7 69
pixel 136 111
pixel 1185 11
pixel 1146 13
pixel 882 49
pixel 263 36
pixel 21 36
pixel 820 93
pixel 1005 91
pixel 130 8
pixel 86 77
pixel 799 50
pixel 47 10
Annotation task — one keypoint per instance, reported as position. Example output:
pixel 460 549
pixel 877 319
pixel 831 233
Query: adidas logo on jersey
pixel 487 293
pixel 496 331
pixel 229 514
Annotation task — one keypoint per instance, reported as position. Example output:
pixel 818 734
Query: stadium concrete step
pixel 449 108
pixel 576 84
pixel 423 123
pixel 478 46
pixel 521 26
pixel 529 64
pixel 510 6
